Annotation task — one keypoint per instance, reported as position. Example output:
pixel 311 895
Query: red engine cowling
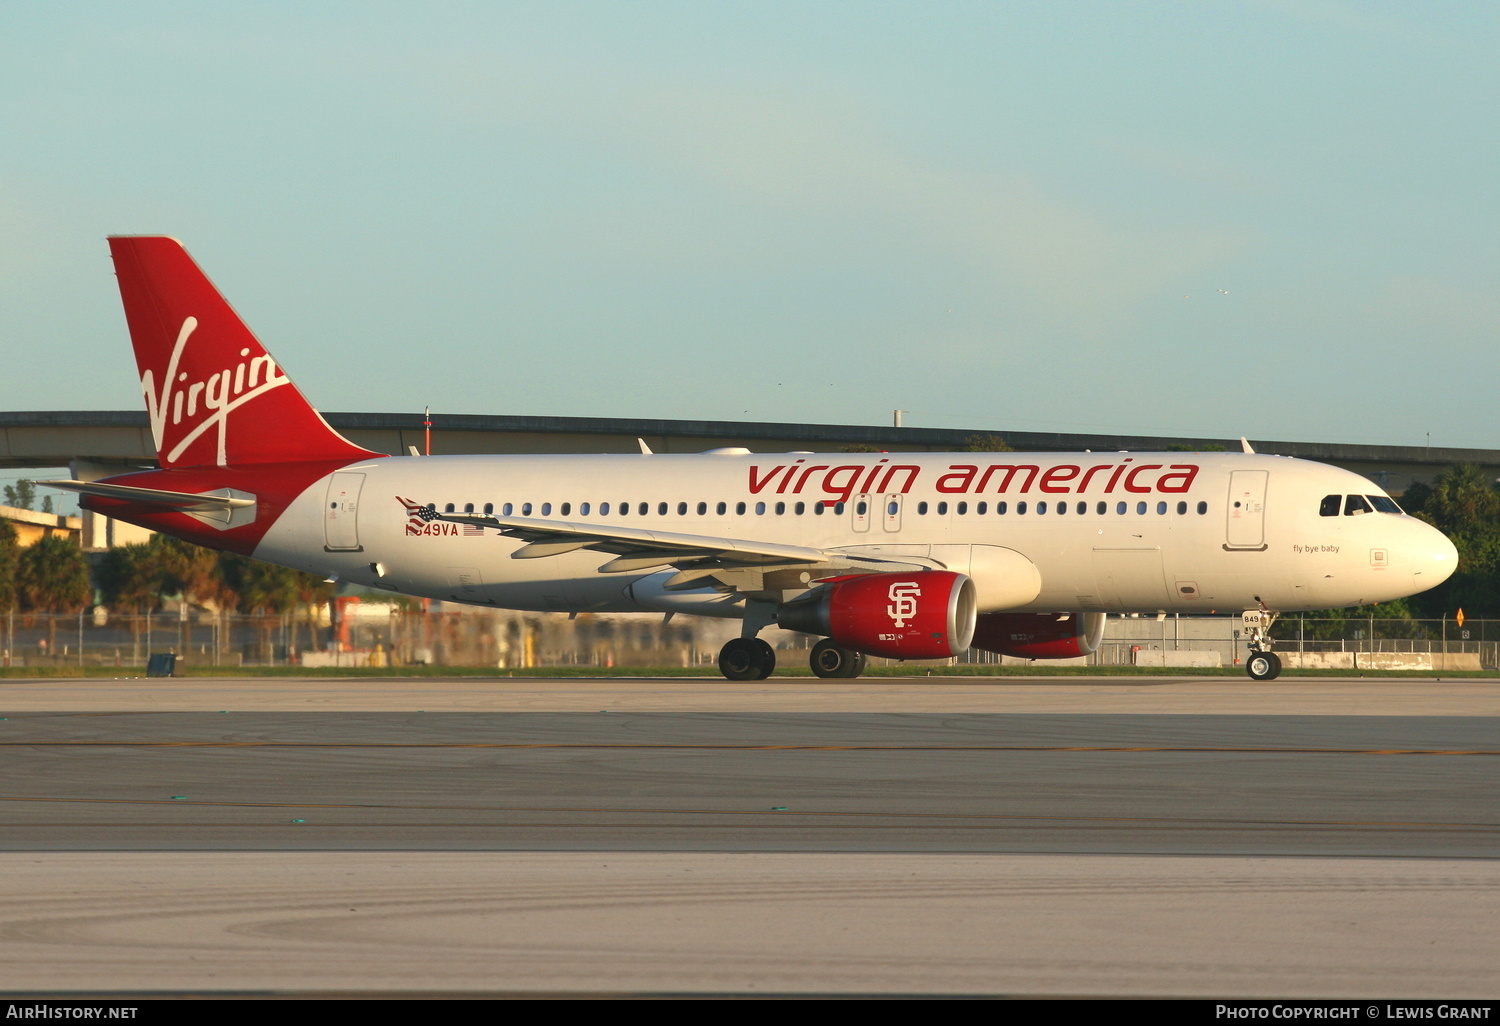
pixel 1040 635
pixel 925 615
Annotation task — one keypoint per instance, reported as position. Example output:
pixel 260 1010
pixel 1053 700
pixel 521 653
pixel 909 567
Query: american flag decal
pixel 417 515
pixel 473 531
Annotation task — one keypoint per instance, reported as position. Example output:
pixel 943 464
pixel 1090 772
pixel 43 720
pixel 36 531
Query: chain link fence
pixel 375 635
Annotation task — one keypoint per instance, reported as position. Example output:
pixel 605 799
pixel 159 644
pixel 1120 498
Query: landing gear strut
pixel 830 660
pixel 746 659
pixel 1255 627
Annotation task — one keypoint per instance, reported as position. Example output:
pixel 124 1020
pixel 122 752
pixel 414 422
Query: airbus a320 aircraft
pixel 902 555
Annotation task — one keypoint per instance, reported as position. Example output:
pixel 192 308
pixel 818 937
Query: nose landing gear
pixel 1255 627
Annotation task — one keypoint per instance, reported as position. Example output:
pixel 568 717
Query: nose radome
pixel 1437 558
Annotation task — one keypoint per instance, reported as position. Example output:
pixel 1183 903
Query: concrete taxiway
pixel 930 835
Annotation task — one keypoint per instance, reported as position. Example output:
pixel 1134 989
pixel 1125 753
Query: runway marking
pixel 1166 821
pixel 611 746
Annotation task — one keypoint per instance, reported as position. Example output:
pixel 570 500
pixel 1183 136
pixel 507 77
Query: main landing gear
pixel 830 660
pixel 746 659
pixel 1255 628
pixel 753 659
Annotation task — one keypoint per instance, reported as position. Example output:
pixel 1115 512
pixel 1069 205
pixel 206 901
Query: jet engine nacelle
pixel 929 614
pixel 1040 635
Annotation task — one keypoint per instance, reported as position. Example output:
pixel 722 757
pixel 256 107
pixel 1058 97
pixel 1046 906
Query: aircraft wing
pixel 696 555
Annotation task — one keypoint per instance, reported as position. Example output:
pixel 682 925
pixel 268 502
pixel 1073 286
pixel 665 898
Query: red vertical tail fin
pixel 215 397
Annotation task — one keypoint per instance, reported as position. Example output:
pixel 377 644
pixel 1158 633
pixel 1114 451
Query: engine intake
pixel 929 614
pixel 1040 635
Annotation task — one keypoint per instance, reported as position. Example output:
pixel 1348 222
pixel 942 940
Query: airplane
pixel 899 554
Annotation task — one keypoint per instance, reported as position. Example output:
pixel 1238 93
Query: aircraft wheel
pixel 830 660
pixel 1263 666
pixel 746 659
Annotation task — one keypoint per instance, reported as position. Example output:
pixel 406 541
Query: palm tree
pixel 52 577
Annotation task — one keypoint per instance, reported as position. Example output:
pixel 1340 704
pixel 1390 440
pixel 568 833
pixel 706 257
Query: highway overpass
pixel 114 439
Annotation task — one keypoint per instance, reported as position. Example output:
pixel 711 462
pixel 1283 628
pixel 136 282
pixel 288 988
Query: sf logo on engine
pixel 903 596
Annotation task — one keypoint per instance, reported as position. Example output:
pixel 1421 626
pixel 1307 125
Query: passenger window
pixel 781 509
pixel 682 509
pixel 1102 508
pixel 760 509
pixel 624 509
pixel 507 509
pixel 1329 507
pixel 1021 508
pixel 861 508
pixel 1000 508
pixel 818 508
pixel 583 509
pixel 1354 505
pixel 1062 507
pixel 942 509
pixel 739 509
pixel 963 507
pixel 982 508
pixel 1041 508
pixel 838 507
pixel 525 509
pixel 489 507
pixel 448 508
pixel 1120 509
pixel 645 507
pixel 1161 509
pixel 1181 508
pixel 702 508
pixel 604 509
pixel 1140 508
pixel 546 509
pixel 921 509
pixel 565 509
pixel 1083 508
pixel 800 508
pixel 721 509
pixel 468 507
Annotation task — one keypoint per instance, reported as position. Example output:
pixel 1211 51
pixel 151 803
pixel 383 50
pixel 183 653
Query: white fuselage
pixel 1185 532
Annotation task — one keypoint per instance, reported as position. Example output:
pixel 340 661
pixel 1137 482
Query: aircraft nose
pixel 1437 557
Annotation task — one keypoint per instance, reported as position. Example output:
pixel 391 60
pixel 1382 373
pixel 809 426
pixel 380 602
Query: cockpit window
pixel 1329 507
pixel 1355 505
pixel 1384 503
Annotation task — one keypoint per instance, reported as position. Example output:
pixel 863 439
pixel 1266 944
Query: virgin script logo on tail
pixel 212 399
pixel 903 596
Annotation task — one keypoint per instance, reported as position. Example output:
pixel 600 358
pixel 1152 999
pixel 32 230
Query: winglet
pixel 1245 446
pixel 645 449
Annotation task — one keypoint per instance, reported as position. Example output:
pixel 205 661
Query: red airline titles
pixel 970 478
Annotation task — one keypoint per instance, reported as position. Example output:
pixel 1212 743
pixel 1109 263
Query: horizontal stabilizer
pixel 153 496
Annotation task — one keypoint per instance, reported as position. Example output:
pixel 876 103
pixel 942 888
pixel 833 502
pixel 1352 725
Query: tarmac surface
pixel 1208 837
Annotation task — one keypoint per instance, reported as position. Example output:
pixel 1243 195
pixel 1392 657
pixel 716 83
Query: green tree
pixel 265 591
pixel 52 577
pixel 1464 504
pixel 985 443
pixel 131 579
pixel 10 553
pixel 22 494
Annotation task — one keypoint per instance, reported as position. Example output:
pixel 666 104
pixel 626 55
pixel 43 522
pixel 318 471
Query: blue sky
pixel 1001 216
